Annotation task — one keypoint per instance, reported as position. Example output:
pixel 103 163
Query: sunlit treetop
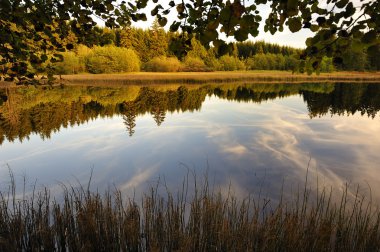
pixel 33 32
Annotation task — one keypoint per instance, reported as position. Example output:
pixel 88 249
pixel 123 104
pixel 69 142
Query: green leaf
pixel 241 35
pixel 369 37
pixel 174 26
pixel 294 24
pixel 163 21
pixel 340 4
pixel 350 10
pixel 314 28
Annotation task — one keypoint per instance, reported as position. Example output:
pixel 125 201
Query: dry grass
pixel 217 77
pixel 259 76
pixel 205 221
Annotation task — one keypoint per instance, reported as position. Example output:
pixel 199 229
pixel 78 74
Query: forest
pixel 104 50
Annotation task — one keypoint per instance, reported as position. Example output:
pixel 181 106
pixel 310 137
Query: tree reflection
pixel 24 111
pixel 129 116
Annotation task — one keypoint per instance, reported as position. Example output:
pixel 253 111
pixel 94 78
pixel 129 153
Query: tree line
pixel 104 50
pixel 28 110
pixel 35 32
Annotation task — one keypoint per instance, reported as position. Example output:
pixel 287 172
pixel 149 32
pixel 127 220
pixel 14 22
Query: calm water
pixel 253 137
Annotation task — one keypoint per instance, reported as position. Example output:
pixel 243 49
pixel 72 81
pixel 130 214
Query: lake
pixel 252 138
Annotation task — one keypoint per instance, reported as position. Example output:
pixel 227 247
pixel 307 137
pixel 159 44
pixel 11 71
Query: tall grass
pixel 217 77
pixel 202 220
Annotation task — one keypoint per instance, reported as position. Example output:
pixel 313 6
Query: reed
pixel 200 220
pixel 217 77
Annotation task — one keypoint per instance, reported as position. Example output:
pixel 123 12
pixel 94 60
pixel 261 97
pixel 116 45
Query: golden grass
pixel 205 221
pixel 143 78
pixel 238 77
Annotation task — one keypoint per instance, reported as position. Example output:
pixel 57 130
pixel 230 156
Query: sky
pixel 285 38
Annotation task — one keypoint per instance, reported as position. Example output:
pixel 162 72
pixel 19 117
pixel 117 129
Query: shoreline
pixel 264 76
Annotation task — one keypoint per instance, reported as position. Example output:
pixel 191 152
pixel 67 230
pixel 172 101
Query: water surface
pixel 250 137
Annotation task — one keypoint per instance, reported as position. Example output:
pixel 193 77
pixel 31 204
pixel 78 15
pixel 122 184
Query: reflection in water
pixel 30 110
pixel 251 135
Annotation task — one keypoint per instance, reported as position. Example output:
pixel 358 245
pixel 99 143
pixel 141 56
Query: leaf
pixel 163 21
pixel 213 25
pixel 180 8
pixel 155 10
pixel 369 37
pixel 321 20
pixel 350 10
pixel 174 26
pixel 69 46
pixel 294 24
pixel 373 50
pixel 337 60
pixel 314 28
pixel 340 4
pixel 141 16
pixel 241 35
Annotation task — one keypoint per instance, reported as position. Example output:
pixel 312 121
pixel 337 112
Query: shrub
pixel 83 52
pixel 163 64
pixel 194 64
pixel 70 65
pixel 112 59
pixel 230 63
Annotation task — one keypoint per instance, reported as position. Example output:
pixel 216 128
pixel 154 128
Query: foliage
pixel 248 49
pixel 163 64
pixel 327 65
pixel 33 32
pixel 333 23
pixel 147 43
pixel 194 64
pixel 230 63
pixel 36 31
pixel 111 59
pixel 71 64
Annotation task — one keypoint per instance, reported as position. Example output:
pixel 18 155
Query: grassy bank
pixel 235 77
pixel 218 77
pixel 205 221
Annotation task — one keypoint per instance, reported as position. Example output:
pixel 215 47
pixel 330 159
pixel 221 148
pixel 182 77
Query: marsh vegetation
pixel 202 219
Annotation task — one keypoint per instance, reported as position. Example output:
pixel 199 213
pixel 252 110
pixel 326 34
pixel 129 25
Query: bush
pixel 163 64
pixel 230 63
pixel 194 64
pixel 70 65
pixel 112 59
pixel 83 52
pixel 327 65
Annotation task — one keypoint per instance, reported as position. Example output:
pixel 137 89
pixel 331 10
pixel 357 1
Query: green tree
pixel 157 41
pixel 230 63
pixel 111 59
pixel 31 30
pixel 71 64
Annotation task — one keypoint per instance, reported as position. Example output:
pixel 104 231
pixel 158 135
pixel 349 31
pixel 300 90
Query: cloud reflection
pixel 244 146
pixel 289 144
